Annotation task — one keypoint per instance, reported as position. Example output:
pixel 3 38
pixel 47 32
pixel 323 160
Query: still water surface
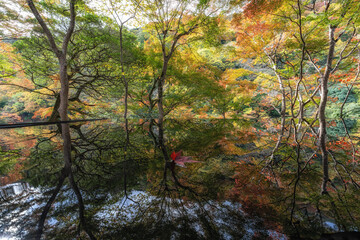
pixel 231 179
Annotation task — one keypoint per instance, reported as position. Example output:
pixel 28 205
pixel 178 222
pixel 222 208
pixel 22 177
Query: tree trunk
pixel 281 86
pixel 161 143
pixel 322 107
pixel 126 84
pixel 55 113
pixel 126 99
pixel 281 135
pixel 82 218
pixel 40 228
pixel 64 91
pixel 60 53
pixel 160 101
pixel 161 83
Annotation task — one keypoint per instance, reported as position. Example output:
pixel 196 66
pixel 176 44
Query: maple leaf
pixel 180 160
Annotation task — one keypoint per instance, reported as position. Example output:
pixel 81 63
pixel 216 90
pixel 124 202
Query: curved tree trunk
pixel 322 107
pixel 55 114
pixel 124 80
pixel 161 83
pixel 60 53
pixel 160 101
pixel 64 91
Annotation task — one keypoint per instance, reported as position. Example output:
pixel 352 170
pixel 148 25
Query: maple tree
pixel 22 100
pixel 291 43
pixel 88 65
pixel 60 52
pixel 128 64
pixel 171 23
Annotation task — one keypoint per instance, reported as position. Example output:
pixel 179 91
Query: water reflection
pixel 248 179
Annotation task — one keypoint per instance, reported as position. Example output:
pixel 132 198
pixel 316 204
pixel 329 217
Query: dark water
pixel 244 179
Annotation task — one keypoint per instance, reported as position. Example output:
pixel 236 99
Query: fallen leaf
pixel 181 160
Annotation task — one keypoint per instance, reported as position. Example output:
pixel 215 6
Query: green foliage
pixel 8 159
pixel 338 128
pixel 3 101
pixel 339 92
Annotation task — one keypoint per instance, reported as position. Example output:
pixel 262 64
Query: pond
pixel 179 179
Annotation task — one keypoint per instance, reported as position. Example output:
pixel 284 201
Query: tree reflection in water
pixel 295 167
pixel 253 180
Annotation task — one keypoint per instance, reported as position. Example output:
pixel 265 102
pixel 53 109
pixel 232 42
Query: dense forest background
pixel 186 59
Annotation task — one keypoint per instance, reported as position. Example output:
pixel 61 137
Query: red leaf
pixel 180 160
pixel 175 155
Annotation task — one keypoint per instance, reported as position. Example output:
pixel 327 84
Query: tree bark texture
pixel 322 107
